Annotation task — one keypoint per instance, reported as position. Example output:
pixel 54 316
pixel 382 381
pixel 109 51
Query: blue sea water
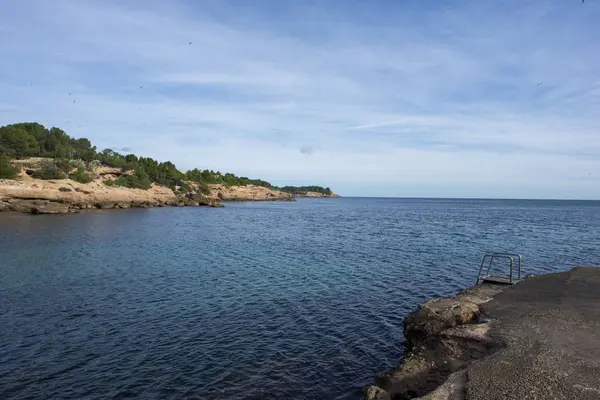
pixel 299 300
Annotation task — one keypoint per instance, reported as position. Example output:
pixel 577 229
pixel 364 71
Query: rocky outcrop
pixel 191 199
pixel 52 208
pixel 442 337
pixel 318 195
pixel 247 193
pixel 36 196
pixel 26 194
pixel 376 393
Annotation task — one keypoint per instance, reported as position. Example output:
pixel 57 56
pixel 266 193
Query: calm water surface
pixel 257 300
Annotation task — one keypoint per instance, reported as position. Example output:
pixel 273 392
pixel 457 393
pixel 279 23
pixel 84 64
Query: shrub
pixel 7 171
pixel 204 188
pixel 94 165
pixel 137 180
pixel 49 170
pixel 47 162
pixel 184 187
pixel 80 176
pixel 79 164
pixel 64 189
pixel 63 164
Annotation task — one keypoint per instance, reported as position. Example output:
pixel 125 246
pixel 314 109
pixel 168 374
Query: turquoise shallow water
pixel 257 300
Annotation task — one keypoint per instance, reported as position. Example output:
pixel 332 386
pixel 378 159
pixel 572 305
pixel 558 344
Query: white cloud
pixel 420 99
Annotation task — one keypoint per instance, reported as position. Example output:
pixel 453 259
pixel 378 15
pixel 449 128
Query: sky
pixel 406 98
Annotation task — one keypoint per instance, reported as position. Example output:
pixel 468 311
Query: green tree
pixel 28 139
pixel 83 149
pixel 17 142
pixel 304 189
pixel 112 158
pixel 7 171
pixel 58 141
pixel 38 131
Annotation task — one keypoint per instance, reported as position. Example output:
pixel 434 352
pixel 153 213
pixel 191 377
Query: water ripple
pixel 256 301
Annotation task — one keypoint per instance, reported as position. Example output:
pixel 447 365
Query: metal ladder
pixel 509 279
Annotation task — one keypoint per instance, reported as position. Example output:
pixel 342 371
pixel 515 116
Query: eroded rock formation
pixel 443 336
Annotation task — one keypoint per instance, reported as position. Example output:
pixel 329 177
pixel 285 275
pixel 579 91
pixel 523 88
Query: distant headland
pixel 309 191
pixel 47 171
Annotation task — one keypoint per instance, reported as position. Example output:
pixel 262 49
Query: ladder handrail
pixel 509 256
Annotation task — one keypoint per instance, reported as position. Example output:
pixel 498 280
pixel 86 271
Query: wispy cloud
pixel 407 98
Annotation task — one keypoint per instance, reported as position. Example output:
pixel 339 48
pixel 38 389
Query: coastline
pixel 43 185
pixel 36 196
pixel 317 195
pixel 479 344
pixel 220 192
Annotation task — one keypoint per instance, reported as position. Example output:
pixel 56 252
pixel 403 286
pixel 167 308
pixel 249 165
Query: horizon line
pixel 453 198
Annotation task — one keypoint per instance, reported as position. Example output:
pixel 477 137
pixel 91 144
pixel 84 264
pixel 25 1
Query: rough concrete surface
pixel 551 328
pixel 539 339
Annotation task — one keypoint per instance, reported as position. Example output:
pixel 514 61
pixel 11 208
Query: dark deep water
pixel 257 300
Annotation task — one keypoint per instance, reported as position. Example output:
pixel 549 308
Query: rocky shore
pixel 539 339
pixel 63 196
pixel 36 196
pixel 317 194
pixel 247 193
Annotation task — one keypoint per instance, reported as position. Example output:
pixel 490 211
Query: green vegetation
pixel 63 154
pixel 51 169
pixel 228 179
pixel 298 190
pixel 30 139
pixel 7 171
pixel 137 180
pixel 80 176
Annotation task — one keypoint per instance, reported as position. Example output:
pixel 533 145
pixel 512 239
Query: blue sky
pixel 379 98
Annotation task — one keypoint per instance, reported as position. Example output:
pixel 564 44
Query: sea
pixel 257 300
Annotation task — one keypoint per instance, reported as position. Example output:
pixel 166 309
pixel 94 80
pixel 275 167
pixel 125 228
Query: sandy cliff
pixel 65 195
pixel 247 193
pixel 37 196
pixel 26 194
